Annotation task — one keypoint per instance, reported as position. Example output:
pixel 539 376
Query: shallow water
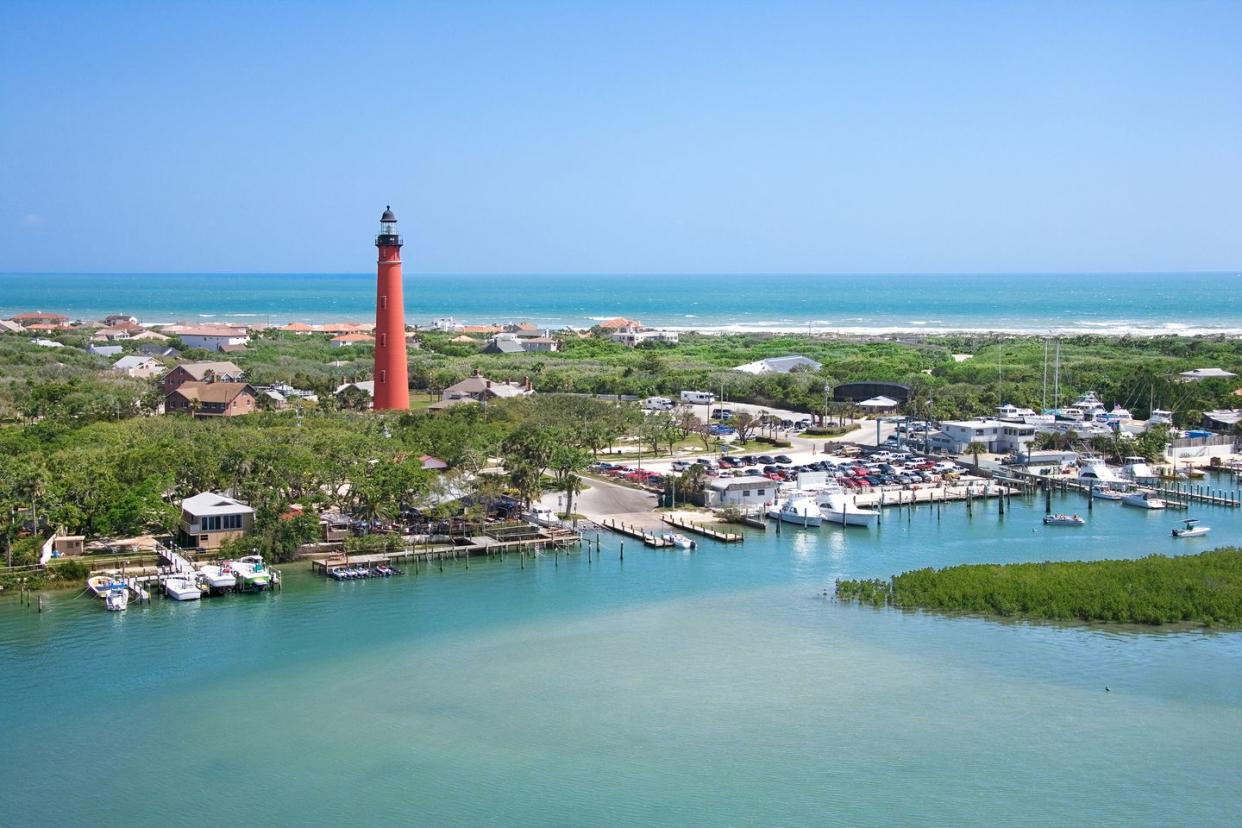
pixel 708 688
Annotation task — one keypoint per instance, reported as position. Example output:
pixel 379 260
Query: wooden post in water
pixel 1091 496
pixel 623 550
pixel 1048 501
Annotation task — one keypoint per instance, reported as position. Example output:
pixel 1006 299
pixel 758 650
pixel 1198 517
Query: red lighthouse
pixel 392 383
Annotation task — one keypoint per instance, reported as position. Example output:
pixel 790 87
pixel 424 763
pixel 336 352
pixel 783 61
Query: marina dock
pixel 632 531
pixel 700 529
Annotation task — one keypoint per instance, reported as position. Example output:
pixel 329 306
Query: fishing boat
pixel 218 578
pixel 543 516
pixel 117 598
pixel 680 541
pixel 799 509
pixel 1190 529
pixel 1064 520
pixel 835 506
pixel 1143 500
pixel 182 588
pixel 251 572
pixel 1106 494
pixel 99 585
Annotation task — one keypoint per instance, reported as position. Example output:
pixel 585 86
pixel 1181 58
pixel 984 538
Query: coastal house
pixel 148 336
pixel 26 320
pixel 120 319
pixel 633 337
pixel 210 519
pixel 298 328
pixel 345 340
pixel 212 399
pixel 155 349
pixel 48 343
pixel 481 329
pixel 1224 419
pixel 111 334
pixel 779 365
pixel 479 388
pixel 213 338
pixel 140 367
pixel 750 490
pixel 537 344
pixel 105 350
pixel 200 372
pixel 503 344
pixel 9 326
pixel 1199 374
pixel 619 323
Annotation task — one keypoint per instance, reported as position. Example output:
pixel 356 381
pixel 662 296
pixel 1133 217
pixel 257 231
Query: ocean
pixel 1134 303
pixel 672 688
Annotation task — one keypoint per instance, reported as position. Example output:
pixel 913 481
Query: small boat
pixel 117 598
pixel 219 577
pixel 340 574
pixel 1106 494
pixel 542 516
pixel 251 572
pixel 799 509
pixel 182 588
pixel 99 585
pixel 1064 520
pixel 680 541
pixel 1190 530
pixel 1143 500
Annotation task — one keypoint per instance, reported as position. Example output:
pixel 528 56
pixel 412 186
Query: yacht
pixel 1190 530
pixel 799 508
pixel 1143 500
pixel 1136 469
pixel 1160 416
pixel 835 506
pixel 116 599
pixel 1106 493
pixel 680 541
pixel 182 588
pixel 1098 471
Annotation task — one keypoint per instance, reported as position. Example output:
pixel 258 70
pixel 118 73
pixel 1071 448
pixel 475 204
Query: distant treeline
pixel 1201 589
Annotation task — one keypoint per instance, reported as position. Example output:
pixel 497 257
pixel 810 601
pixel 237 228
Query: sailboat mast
pixel 1056 379
pixel 1043 405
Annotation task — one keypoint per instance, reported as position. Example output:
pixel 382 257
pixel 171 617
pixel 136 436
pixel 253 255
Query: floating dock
pixel 632 531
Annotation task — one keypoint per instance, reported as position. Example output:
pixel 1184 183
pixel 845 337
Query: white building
pixel 209 519
pixel 999 437
pixel 138 366
pixel 213 338
pixel 779 365
pixel 633 337
pixel 751 490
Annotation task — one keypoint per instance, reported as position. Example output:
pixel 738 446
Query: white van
pixel 657 404
pixel 698 397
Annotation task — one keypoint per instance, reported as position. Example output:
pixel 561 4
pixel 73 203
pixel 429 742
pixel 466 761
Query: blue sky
pixel 619 137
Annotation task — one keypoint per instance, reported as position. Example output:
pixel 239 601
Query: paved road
pixel 604 500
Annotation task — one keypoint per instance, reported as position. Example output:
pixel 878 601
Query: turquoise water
pixel 1080 303
pixel 673 688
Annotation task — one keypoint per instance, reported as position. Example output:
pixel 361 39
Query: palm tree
pixel 976 448
pixel 572 486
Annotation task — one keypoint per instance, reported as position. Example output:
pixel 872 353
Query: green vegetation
pixel 1201 589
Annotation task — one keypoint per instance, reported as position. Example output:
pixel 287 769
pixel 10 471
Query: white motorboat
pixel 835 506
pixel 680 541
pixel 543 516
pixel 1106 494
pixel 182 588
pixel 1136 469
pixel 218 577
pixel 251 572
pixel 1190 529
pixel 1064 520
pixel 116 599
pixel 1143 500
pixel 1097 471
pixel 99 585
pixel 799 509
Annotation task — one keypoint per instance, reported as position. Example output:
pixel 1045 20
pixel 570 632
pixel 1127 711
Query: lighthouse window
pixel 383 339
pixel 383 303
pixel 383 377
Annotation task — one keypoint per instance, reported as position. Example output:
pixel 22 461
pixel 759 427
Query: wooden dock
pixel 632 531
pixel 532 543
pixel 700 529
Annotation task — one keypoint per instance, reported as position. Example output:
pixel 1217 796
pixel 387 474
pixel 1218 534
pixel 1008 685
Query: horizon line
pixel 1224 272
